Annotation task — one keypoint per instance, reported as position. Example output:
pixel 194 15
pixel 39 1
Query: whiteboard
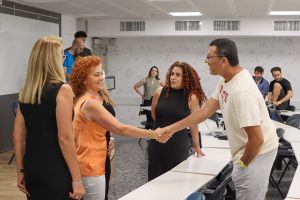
pixel 17 37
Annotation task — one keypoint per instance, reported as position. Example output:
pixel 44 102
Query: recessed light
pixel 185 14
pixel 284 13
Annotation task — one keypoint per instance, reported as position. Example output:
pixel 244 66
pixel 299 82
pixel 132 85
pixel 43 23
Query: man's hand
pixel 164 134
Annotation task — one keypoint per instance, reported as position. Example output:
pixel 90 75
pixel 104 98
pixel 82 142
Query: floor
pixel 129 168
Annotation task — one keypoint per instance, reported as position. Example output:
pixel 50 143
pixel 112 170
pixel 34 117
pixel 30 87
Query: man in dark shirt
pixel 81 36
pixel 280 91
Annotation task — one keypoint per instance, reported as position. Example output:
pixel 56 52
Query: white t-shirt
pixel 242 106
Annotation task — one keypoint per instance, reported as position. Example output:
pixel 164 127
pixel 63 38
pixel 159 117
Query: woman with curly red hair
pixel 91 122
pixel 181 95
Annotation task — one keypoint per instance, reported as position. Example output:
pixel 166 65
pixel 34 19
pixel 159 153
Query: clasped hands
pixel 162 135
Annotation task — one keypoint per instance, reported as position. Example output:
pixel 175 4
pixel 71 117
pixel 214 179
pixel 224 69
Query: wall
pixel 129 59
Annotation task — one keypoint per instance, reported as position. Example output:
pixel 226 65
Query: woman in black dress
pixel 46 163
pixel 181 95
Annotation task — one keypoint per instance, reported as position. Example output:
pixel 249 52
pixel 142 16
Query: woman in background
pixel 43 138
pixel 91 122
pixel 181 96
pixel 150 83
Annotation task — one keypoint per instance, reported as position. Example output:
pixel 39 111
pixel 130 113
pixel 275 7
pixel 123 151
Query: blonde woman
pixel 91 122
pixel 46 163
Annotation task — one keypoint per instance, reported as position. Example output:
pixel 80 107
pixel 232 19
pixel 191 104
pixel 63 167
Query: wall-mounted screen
pixel 110 82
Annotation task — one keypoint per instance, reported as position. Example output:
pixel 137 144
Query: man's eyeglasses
pixel 209 57
pixel 64 57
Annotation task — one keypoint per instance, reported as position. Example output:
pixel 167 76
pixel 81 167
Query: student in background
pixel 81 36
pixel 181 96
pixel 280 91
pixel 150 83
pixel 91 121
pixel 44 143
pixel 262 84
pixel 70 55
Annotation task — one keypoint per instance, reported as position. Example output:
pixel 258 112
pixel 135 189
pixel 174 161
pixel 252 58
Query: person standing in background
pixel 44 143
pixel 150 83
pixel 70 55
pixel 262 84
pixel 81 36
pixel 181 96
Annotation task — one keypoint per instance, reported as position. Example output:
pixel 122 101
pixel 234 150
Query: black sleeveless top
pixel 46 173
pixel 171 109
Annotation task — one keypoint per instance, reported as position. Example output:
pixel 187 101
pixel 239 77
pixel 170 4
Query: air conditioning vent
pixel 132 26
pixel 286 25
pixel 226 25
pixel 187 25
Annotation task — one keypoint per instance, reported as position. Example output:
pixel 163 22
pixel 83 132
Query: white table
pixel 280 125
pixel 294 191
pixel 146 108
pixel 171 185
pixel 291 134
pixel 211 164
pixel 208 141
pixel 287 113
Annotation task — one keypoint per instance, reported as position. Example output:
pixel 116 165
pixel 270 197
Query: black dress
pixel 110 109
pixel 46 173
pixel 163 157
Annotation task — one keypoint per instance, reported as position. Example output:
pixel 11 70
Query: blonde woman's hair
pixel 44 65
pixel 106 97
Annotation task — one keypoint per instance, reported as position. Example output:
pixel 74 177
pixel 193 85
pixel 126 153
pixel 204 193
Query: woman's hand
pixel 21 183
pixel 111 147
pixel 198 151
pixel 78 190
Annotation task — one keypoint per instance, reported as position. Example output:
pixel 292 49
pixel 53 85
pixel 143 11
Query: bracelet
pixel 112 139
pixel 20 170
pixel 242 164
pixel 149 134
pixel 77 182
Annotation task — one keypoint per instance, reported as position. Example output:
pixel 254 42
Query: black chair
pixel 226 190
pixel 226 172
pixel 291 108
pixel 14 107
pixel 294 121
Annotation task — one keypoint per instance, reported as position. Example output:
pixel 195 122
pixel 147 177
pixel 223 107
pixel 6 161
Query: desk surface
pixel 292 134
pixel 210 164
pixel 288 113
pixel 209 141
pixel 171 185
pixel 294 191
pixel 146 108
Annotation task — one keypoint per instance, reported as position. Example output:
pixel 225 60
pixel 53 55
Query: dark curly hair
pixel 190 81
pixel 80 71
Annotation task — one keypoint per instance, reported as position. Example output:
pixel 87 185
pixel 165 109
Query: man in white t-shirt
pixel 251 134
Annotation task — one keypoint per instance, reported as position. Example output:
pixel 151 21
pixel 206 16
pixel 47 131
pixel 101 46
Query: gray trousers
pixel 94 187
pixel 252 183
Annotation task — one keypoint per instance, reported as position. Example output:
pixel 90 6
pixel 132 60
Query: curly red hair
pixel 190 81
pixel 80 71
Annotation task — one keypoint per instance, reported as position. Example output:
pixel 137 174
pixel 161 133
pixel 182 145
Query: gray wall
pixel 6 121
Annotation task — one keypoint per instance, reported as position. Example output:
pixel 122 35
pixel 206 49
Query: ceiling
pixel 159 9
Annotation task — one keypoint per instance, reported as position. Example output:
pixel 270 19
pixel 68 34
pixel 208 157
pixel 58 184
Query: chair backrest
pixel 222 189
pixel 14 107
pixel 291 108
pixel 226 172
pixel 294 121
pixel 215 118
pixel 275 115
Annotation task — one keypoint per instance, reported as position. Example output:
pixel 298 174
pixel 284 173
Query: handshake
pixel 161 135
